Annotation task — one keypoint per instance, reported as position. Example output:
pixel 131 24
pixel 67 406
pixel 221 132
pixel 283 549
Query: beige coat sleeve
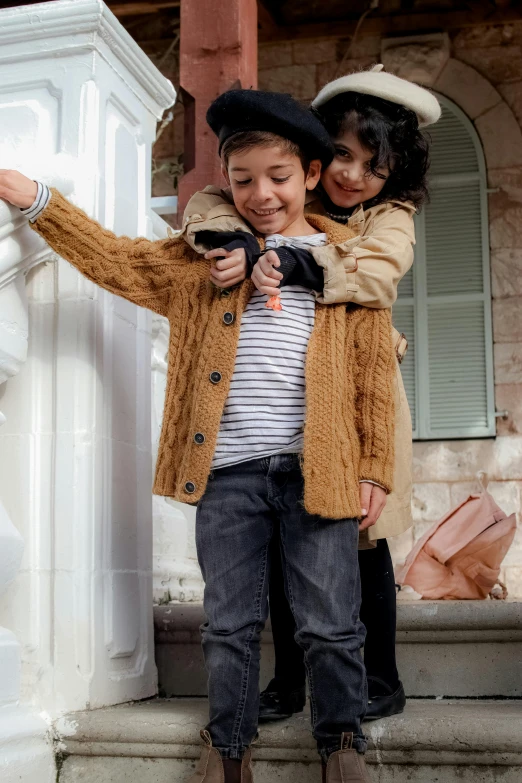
pixel 211 209
pixel 366 270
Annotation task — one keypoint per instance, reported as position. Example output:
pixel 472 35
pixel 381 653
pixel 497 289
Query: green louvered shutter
pixel 444 302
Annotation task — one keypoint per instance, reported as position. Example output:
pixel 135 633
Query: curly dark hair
pixel 391 132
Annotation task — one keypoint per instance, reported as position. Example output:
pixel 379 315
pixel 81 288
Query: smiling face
pixel 269 188
pixel 348 180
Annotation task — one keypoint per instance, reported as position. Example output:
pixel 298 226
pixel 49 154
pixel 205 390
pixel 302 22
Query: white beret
pixel 385 85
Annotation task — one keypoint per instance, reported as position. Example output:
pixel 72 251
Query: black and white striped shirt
pixel 43 195
pixel 265 410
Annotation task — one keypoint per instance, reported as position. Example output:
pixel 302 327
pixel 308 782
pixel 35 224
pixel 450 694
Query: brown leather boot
pixel 209 768
pixel 346 765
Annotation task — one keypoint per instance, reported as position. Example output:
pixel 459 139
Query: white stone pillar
pixel 25 753
pixel 78 108
pixel 176 574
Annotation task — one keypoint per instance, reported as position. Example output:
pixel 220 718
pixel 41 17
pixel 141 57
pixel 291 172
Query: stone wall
pixel 480 69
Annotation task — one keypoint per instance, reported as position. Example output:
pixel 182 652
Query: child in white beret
pixel 375 185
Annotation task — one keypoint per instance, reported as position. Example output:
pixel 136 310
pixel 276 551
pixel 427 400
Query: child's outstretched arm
pixel 139 270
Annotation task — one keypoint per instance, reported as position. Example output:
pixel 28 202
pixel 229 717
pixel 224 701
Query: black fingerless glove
pixel 230 240
pixel 297 265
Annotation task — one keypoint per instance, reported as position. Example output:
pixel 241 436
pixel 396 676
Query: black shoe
pixel 382 701
pixel 274 705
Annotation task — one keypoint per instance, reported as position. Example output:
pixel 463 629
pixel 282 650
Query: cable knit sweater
pixel 350 367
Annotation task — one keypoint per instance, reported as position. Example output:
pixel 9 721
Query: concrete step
pixel 444 649
pixel 433 741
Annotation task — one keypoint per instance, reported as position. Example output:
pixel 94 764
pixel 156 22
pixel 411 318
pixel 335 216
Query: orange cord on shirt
pixel 274 303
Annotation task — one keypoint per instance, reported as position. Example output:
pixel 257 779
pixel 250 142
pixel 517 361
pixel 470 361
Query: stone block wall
pixel 303 67
pixel 484 77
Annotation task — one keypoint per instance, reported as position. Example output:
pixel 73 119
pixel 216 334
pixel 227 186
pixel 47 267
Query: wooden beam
pixel 393 24
pixel 140 9
pixel 390 6
pixel 266 23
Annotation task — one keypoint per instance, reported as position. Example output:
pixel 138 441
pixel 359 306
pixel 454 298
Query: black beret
pixel 237 111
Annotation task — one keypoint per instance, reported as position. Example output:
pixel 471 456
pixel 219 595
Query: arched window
pixel 444 302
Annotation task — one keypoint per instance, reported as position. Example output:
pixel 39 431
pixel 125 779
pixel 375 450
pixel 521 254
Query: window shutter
pixel 458 372
pixel 444 303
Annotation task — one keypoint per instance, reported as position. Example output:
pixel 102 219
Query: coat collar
pixel 359 216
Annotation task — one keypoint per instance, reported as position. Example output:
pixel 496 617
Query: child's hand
pixel 265 275
pixel 230 269
pixel 17 189
pixel 373 500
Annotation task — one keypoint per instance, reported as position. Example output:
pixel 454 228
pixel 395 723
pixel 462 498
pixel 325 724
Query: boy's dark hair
pixel 391 132
pixel 246 140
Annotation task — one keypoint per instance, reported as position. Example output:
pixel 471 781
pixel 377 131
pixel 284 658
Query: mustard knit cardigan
pixel 350 365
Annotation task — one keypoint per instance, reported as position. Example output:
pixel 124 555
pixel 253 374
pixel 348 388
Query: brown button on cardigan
pixel 350 366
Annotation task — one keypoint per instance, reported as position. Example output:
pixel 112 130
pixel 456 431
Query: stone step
pixel 158 742
pixel 452 649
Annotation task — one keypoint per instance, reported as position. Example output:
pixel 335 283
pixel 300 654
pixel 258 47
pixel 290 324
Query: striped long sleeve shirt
pixel 265 410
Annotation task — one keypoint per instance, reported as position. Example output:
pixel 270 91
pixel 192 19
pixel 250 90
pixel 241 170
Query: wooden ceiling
pixel 294 19
pixel 158 20
pixel 292 12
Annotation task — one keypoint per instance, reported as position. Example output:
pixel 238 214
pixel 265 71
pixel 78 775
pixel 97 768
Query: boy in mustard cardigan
pixel 235 438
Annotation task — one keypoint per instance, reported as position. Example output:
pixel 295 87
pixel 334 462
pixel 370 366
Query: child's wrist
pixel 42 198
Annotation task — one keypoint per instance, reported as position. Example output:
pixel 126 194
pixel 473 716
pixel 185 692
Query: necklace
pixel 338 218
pixel 330 207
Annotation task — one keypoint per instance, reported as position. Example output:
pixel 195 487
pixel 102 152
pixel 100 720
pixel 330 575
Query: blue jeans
pixel 234 524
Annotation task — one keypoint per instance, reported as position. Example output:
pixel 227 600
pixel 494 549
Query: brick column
pixel 218 51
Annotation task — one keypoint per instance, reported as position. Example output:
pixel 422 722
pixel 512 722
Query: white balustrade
pixel 25 753
pixel 78 108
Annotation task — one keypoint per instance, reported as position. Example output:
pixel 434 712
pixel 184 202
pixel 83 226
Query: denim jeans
pixel 378 614
pixel 234 525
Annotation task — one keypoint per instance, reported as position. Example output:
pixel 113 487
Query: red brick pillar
pixel 218 51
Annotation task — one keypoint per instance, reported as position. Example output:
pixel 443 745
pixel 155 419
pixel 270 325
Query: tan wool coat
pixel 365 269
pixel 349 429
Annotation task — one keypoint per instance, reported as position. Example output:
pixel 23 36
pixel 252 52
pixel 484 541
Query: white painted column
pixel 25 753
pixel 176 574
pixel 78 109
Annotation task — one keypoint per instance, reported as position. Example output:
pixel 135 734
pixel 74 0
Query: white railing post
pixel 25 753
pixel 78 109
